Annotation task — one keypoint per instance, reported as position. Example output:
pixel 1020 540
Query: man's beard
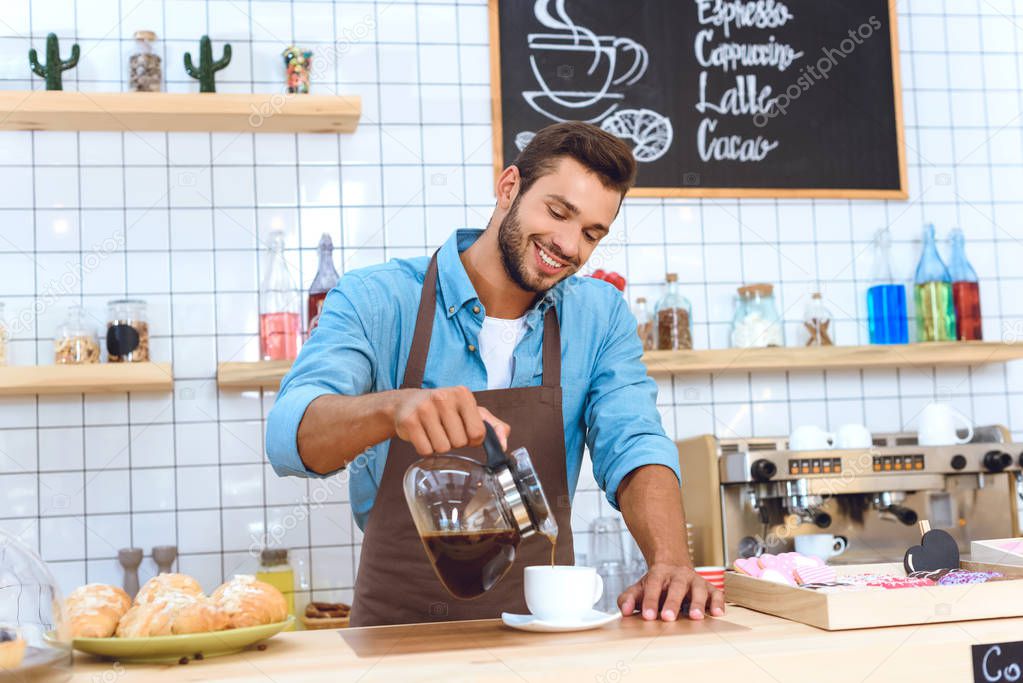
pixel 515 250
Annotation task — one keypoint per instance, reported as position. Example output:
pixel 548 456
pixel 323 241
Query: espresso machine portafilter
pixel 745 497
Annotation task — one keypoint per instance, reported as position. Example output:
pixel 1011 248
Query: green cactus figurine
pixel 54 65
pixel 207 67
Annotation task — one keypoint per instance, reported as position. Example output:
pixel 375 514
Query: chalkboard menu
pixel 768 98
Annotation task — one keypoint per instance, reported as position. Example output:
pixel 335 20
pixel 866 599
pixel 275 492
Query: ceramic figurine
pixel 54 64
pixel 298 63
pixel 207 67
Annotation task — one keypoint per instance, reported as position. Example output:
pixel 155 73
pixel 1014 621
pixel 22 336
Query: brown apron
pixel 396 582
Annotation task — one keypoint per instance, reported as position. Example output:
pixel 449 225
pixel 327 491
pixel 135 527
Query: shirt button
pixel 472 349
pixel 451 309
pixel 475 309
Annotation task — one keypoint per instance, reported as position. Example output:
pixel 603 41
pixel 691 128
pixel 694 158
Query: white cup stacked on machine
pixel 813 438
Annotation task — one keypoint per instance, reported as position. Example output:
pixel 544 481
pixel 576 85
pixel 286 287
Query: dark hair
pixel 607 156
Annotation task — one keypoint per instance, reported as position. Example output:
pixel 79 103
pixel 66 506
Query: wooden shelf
pixel 97 378
pixel 831 357
pixel 268 374
pixel 265 374
pixel 212 112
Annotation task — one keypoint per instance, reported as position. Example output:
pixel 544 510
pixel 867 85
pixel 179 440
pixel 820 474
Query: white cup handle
pixel 598 591
pixel 967 423
pixel 839 546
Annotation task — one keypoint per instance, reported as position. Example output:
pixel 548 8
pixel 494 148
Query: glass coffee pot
pixel 471 516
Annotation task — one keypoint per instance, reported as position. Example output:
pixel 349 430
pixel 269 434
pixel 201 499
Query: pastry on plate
pixel 170 614
pixel 167 583
pixel 248 602
pixel 12 649
pixel 94 609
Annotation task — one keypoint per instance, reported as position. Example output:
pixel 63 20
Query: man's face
pixel 550 231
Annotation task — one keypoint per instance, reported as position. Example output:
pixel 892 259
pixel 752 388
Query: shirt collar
pixel 456 288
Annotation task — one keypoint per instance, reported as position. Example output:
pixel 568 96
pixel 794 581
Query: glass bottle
pixel 674 324
pixel 144 71
pixel 965 290
pixel 75 342
pixel 325 280
pixel 817 326
pixel 935 312
pixel 644 323
pixel 127 331
pixel 756 322
pixel 275 570
pixel 4 337
pixel 887 320
pixel 280 317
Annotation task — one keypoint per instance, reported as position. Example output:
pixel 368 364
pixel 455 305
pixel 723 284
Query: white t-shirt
pixel 498 340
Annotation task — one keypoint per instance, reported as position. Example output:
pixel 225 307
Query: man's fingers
pixel 652 586
pixel 628 600
pixel 698 601
pixel 677 590
pixel 416 435
pixel 503 429
pixel 717 603
pixel 430 420
pixel 451 420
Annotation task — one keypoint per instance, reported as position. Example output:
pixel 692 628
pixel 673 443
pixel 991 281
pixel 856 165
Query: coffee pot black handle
pixel 496 457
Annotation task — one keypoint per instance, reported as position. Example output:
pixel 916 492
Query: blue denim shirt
pixel 362 342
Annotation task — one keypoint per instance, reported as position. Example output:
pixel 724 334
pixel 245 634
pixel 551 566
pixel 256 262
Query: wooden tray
pixel 870 609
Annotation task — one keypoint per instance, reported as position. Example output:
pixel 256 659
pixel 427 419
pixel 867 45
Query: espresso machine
pixel 749 496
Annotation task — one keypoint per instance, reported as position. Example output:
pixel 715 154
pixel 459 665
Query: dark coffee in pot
pixel 470 563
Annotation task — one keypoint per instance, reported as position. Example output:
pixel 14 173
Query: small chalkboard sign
pixel 781 98
pixel 998 662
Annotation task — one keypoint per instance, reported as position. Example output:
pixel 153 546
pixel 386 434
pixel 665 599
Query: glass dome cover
pixel 31 608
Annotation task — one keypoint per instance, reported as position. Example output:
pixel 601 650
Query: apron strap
pixel 416 366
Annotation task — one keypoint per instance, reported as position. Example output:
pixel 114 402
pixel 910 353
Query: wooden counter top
pixel 743 645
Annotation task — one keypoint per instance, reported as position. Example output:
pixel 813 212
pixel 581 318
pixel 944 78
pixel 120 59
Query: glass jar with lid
pixel 644 323
pixel 75 342
pixel 35 642
pixel 756 322
pixel 673 316
pixel 127 331
pixel 144 71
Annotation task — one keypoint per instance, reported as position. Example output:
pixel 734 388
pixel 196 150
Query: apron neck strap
pixel 416 366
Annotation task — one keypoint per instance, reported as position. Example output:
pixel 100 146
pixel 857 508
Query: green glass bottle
pixel 935 310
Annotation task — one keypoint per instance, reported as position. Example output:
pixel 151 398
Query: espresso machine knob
pixel 996 461
pixel 763 470
pixel 1021 459
pixel 822 520
pixel 959 462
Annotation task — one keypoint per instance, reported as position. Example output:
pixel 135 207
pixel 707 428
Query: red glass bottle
pixel 965 290
pixel 325 280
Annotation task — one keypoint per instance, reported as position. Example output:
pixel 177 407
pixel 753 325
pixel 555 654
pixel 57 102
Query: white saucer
pixel 527 622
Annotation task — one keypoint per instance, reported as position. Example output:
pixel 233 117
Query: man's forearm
pixel 651 503
pixel 336 429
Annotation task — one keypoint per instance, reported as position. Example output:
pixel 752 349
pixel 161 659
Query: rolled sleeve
pixel 338 358
pixel 624 430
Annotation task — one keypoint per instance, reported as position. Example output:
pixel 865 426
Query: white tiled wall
pixel 178 219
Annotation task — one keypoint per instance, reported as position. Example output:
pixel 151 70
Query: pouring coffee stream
pixel 471 516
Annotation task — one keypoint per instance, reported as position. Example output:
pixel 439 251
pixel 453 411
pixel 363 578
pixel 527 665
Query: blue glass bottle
pixel 935 312
pixel 886 300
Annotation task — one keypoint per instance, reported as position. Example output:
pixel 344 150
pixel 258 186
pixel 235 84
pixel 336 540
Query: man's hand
pixel 664 587
pixel 440 420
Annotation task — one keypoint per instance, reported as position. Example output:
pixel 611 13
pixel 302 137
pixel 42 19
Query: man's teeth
pixel 547 259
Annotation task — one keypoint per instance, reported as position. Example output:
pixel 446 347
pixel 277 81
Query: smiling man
pixel 412 356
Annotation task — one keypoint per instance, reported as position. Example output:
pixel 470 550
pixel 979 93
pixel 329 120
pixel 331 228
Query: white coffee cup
pixel 853 436
pixel 562 593
pixel 824 546
pixel 810 438
pixel 936 426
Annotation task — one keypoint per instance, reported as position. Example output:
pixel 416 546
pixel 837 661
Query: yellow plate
pixel 173 648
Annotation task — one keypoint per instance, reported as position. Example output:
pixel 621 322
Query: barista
pixel 411 356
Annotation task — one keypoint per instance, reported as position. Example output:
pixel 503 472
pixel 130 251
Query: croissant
pixel 248 602
pixel 167 583
pixel 94 609
pixel 172 614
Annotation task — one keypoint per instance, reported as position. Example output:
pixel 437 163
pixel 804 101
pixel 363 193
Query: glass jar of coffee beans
pixel 75 342
pixel 127 331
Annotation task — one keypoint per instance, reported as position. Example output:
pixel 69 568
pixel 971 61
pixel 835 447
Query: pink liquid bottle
pixel 325 280
pixel 280 309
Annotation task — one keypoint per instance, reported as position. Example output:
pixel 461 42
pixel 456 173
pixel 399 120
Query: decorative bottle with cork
pixel 672 314
pixel 325 280
pixel 817 328
pixel 644 323
pixel 145 73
